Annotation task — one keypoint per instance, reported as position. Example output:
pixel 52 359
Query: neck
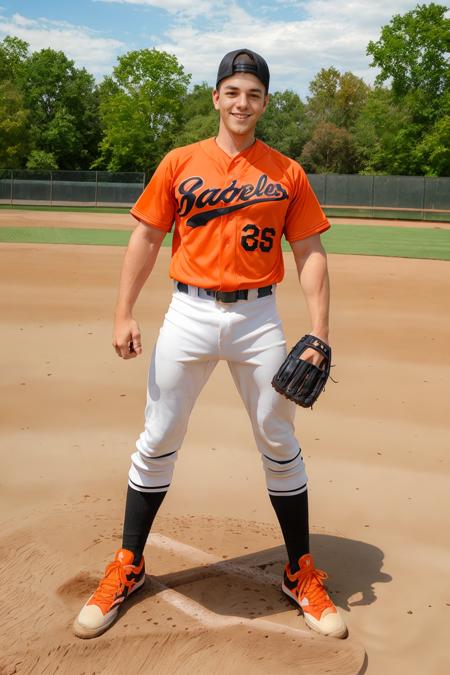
pixel 233 144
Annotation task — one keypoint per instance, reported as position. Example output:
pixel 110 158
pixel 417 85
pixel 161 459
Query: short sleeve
pixel 156 206
pixel 305 216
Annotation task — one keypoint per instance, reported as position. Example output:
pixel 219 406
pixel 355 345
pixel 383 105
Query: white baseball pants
pixel 198 332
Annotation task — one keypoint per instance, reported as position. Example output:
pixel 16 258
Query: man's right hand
pixel 140 257
pixel 127 338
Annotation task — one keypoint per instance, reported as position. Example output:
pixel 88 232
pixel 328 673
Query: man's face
pixel 241 100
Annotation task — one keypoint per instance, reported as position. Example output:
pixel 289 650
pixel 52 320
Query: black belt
pixel 228 296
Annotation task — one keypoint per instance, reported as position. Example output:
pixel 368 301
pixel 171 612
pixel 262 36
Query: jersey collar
pixel 251 154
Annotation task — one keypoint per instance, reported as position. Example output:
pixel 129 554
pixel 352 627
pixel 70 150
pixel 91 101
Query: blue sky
pixel 297 37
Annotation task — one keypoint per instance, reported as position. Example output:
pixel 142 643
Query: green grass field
pixel 401 242
pixel 77 209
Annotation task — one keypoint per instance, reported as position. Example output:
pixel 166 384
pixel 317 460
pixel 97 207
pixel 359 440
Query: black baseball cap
pixel 249 63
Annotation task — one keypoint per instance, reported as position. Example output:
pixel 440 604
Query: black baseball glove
pixel 299 380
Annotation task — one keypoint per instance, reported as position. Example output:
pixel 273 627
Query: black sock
pixel 292 514
pixel 140 511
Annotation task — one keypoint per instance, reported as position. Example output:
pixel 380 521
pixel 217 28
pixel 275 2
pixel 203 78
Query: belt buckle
pixel 226 296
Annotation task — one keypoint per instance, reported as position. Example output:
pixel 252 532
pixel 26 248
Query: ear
pixel 215 98
pixel 266 102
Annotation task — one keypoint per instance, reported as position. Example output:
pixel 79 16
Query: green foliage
pixel 198 101
pixel 39 159
pixel 336 97
pixel 330 150
pixel 53 115
pixel 333 109
pixel 200 119
pixel 13 127
pixel 13 54
pixel 404 130
pixel 323 88
pixel 141 109
pixel 198 128
pixel 433 152
pixel 377 131
pixel 283 125
pixel 412 51
pixel 63 108
pixel 390 139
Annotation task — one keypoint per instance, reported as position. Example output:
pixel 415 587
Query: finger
pixel 116 348
pixel 311 356
pixel 131 350
pixel 128 351
pixel 123 350
pixel 136 343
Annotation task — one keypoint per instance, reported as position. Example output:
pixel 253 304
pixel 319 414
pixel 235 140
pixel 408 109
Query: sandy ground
pixel 117 221
pixel 376 447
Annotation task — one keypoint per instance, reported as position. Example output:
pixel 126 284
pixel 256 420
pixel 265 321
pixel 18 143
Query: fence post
pixel 12 187
pixel 423 197
pixel 96 188
pixel 51 188
pixel 325 189
pixel 372 196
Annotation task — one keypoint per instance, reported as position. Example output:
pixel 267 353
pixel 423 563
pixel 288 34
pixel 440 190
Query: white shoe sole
pixel 86 632
pixel 340 632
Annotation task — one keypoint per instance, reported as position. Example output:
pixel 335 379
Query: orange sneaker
pixel 121 578
pixel 306 588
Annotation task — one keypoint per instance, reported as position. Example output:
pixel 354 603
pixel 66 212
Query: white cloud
pixel 22 20
pixel 81 44
pixel 332 32
pixel 297 37
pixel 189 8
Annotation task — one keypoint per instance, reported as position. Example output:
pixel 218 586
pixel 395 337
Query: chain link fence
pixel 415 197
pixel 412 197
pixel 70 188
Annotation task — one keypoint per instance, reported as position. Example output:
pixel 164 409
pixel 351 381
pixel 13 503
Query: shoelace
pixel 310 583
pixel 114 580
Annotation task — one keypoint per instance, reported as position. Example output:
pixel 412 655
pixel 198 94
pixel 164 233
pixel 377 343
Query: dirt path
pixel 376 448
pixel 115 221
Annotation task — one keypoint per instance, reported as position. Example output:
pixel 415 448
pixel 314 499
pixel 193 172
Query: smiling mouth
pixel 240 116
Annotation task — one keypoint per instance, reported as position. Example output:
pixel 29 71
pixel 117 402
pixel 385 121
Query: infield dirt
pixel 116 221
pixel 376 448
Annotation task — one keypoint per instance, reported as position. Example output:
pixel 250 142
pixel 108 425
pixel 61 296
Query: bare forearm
pixel 312 271
pixel 139 261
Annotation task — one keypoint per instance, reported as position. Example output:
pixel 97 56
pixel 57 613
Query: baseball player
pixel 229 200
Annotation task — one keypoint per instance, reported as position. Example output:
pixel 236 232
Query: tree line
pixel 54 115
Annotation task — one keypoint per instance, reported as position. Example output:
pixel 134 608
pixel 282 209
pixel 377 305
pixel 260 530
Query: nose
pixel 242 101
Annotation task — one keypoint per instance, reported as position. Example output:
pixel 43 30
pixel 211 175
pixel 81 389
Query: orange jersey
pixel 229 213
